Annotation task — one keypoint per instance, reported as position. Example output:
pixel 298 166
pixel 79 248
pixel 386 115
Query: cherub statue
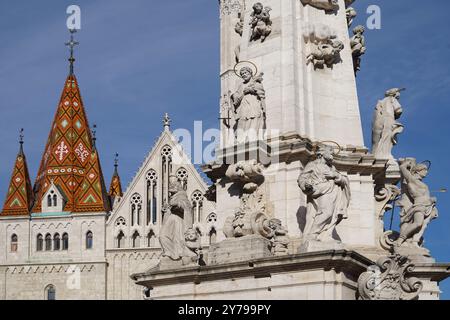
pixel 418 208
pixel 351 14
pixel 358 46
pixel 326 54
pixel 192 241
pixel 261 24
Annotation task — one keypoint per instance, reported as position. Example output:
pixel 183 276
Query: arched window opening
pixel 136 239
pixel 182 176
pixel 136 209
pixel 120 240
pixel 50 292
pixel 166 154
pixel 151 239
pixel 197 205
pixel 49 201
pixel 65 242
pixel 14 243
pixel 39 242
pixel 152 180
pixel 48 242
pixel 89 240
pixel 55 200
pixel 212 236
pixel 56 242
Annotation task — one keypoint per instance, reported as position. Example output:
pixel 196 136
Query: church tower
pixel 57 230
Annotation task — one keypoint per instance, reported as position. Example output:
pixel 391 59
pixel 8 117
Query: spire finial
pixel 71 44
pixel 116 164
pixel 94 135
pixel 21 136
pixel 167 121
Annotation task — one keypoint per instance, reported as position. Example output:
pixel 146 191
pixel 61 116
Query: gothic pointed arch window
pixel 14 243
pixel 39 242
pixel 197 205
pixel 136 209
pixel 120 240
pixel 55 200
pixel 182 176
pixel 48 242
pixel 152 197
pixel 151 239
pixel 89 240
pixel 65 242
pixel 50 292
pixel 56 242
pixel 166 154
pixel 49 201
pixel 136 240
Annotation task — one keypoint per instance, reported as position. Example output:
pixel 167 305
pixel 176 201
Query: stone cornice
pixel 349 261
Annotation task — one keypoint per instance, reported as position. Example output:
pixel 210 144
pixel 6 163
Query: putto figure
pixel 177 221
pixel 418 207
pixel 326 54
pixel 385 126
pixel 261 24
pixel 328 193
pixel 249 102
pixel 358 46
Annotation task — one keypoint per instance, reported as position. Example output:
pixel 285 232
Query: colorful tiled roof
pixel 70 159
pixel 20 196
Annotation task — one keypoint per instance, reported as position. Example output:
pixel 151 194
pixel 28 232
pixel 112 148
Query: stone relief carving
pixel 249 102
pixel 326 54
pixel 228 7
pixel 325 48
pixel 386 196
pixel 358 46
pixel 351 14
pixel 279 238
pixel 261 24
pixel 328 195
pixel 327 5
pixel 176 224
pixel 388 280
pixel 385 128
pixel 239 29
pixel 418 208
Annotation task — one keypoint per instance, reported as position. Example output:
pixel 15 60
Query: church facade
pixel 68 236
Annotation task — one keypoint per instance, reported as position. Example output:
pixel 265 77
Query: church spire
pixel 20 196
pixel 115 190
pixel 70 158
pixel 72 44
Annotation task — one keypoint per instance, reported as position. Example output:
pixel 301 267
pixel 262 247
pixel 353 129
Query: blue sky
pixel 141 58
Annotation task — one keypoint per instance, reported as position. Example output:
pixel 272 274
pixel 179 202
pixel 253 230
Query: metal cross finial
pixel 71 44
pixel 167 121
pixel 116 163
pixel 21 136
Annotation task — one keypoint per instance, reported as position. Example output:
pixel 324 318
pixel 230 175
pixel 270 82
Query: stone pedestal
pixel 239 249
pixel 315 246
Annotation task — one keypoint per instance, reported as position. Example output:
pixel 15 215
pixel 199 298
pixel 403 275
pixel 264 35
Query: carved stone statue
pixel 418 208
pixel 351 15
pixel 385 126
pixel 358 46
pixel 387 280
pixel 177 221
pixel 327 5
pixel 328 193
pixel 279 238
pixel 192 240
pixel 261 24
pixel 249 102
pixel 239 29
pixel 326 54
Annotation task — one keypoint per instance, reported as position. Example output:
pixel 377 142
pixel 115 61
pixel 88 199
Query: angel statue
pixel 418 208
pixel 249 103
pixel 326 54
